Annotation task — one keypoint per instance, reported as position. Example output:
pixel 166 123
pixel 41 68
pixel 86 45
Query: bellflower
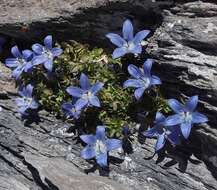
pixel 98 146
pixel 185 115
pixel 86 94
pixel 71 110
pixel 163 133
pixel 46 54
pixel 26 101
pixel 129 43
pixel 142 79
pixel 21 61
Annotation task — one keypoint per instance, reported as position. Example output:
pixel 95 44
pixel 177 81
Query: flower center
pixel 87 95
pixel 21 61
pixel 129 45
pixel 100 147
pixel 145 82
pixel 48 53
pixel 27 100
pixel 187 116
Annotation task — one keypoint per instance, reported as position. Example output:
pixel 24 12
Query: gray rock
pixel 184 47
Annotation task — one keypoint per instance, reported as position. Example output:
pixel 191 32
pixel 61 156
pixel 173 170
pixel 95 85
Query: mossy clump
pixel 118 106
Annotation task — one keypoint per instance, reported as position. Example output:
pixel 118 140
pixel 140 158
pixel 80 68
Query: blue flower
pixel 21 61
pixel 142 78
pixel 185 115
pixel 129 43
pixel 46 54
pixel 71 110
pixel 98 146
pixel 26 101
pixel 163 133
pixel 86 94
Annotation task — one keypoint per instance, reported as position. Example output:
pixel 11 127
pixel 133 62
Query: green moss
pixel 117 104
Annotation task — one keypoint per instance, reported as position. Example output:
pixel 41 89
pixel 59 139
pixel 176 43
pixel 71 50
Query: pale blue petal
pixel 81 103
pixel 11 62
pixel 96 87
pixel 48 42
pixel 75 91
pixel 48 64
pixel 186 129
pixel 155 80
pixel 37 48
pixel 116 39
pixel 191 104
pixel 119 52
pixel 56 51
pixel 132 83
pixel 39 59
pixel 174 120
pixel 27 54
pixel 113 144
pixel 198 118
pixel 88 152
pixel 139 92
pixel 136 50
pixel 16 52
pixel 100 132
pixel 159 117
pixel 135 71
pixel 84 82
pixel 176 106
pixel 128 30
pixel 94 100
pixel 160 142
pixel 147 67
pixel 34 105
pixel 88 139
pixel 29 89
pixel 102 160
pixel 140 36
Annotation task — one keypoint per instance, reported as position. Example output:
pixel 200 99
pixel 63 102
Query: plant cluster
pixel 90 88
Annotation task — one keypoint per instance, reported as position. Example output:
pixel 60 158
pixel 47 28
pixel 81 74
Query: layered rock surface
pixel 42 156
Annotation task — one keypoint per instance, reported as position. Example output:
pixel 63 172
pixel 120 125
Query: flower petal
pixel 48 64
pixel 39 59
pixel 191 104
pixel 155 80
pixel 113 144
pixel 159 117
pixel 29 89
pixel 160 142
pixel 27 54
pixel 75 91
pixel 176 106
pixel 116 39
pixel 66 106
pixel 134 71
pixel 137 49
pixel 88 152
pixel 174 137
pixel 132 83
pixel 127 30
pixel 37 48
pixel 96 87
pixel 16 52
pixel 17 72
pixel 11 62
pixel 84 82
pixel 81 103
pixel 101 159
pixel 100 132
pixel 173 120
pixel 186 129
pixel 88 139
pixel 94 100
pixel 48 42
pixel 139 92
pixel 140 36
pixel 119 52
pixel 198 118
pixel 20 102
pixel 28 67
pixel 151 132
pixel 34 105
pixel 147 67
pixel 56 51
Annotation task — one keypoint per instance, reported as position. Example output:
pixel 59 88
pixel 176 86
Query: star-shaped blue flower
pixel 163 133
pixel 98 146
pixel 71 110
pixel 21 61
pixel 185 115
pixel 86 94
pixel 142 79
pixel 46 54
pixel 129 43
pixel 26 101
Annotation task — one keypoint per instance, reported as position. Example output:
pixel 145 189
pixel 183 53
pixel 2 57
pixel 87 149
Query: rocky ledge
pixel 40 155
